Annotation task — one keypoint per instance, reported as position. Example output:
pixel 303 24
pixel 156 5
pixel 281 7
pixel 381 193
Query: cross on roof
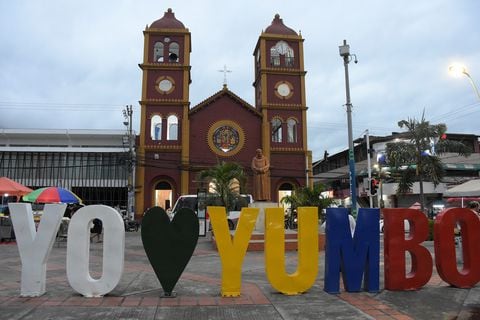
pixel 225 70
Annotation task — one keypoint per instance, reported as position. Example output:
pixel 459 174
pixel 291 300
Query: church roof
pixel 221 93
pixel 168 21
pixel 277 27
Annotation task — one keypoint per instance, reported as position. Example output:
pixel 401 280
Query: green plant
pixel 431 224
pixel 309 197
pixel 226 178
pixel 417 159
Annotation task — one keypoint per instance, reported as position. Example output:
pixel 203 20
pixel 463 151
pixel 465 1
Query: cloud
pixel 75 64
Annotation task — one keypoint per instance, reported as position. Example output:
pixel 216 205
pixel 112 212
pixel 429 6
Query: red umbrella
pixel 12 188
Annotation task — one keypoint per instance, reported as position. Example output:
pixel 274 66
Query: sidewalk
pixel 137 295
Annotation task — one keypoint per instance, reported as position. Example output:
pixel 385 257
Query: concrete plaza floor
pixel 198 292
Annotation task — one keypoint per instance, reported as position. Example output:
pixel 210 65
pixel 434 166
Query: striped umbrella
pixel 52 195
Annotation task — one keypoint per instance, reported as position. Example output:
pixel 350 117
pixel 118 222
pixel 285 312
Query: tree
pixel 224 177
pixel 418 159
pixel 309 197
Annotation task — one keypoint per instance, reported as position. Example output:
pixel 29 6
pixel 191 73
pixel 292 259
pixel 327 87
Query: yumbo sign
pixel 355 257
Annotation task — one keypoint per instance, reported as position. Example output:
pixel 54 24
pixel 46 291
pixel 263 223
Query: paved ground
pixel 137 295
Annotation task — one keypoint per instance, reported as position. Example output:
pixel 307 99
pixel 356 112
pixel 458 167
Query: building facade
pixel 91 163
pixel 333 171
pixel 177 141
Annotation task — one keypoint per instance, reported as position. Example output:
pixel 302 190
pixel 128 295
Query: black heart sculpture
pixel 169 244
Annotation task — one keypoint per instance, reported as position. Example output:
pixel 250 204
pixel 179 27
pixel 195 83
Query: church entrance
pixel 286 189
pixel 163 195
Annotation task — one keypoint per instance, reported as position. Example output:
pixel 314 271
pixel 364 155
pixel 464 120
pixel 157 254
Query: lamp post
pixel 369 167
pixel 347 57
pixel 457 70
pixel 127 114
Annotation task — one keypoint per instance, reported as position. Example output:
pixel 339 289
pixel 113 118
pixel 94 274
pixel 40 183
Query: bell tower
pixel 280 97
pixel 164 127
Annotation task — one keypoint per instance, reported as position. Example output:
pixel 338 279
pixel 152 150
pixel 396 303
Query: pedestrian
pixel 96 231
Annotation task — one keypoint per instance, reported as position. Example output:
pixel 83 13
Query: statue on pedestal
pixel 261 177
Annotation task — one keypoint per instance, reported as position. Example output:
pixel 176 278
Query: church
pixel 177 141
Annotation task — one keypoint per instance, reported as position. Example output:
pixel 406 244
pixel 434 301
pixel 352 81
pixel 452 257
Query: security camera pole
pixel 347 57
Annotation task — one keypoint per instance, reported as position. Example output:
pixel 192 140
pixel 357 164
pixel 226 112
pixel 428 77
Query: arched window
pixel 158 52
pixel 281 48
pixel 172 128
pixel 156 127
pixel 274 57
pixel 276 130
pixel 173 52
pixel 291 130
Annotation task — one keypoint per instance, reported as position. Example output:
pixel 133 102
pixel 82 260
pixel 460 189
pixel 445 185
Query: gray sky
pixel 74 64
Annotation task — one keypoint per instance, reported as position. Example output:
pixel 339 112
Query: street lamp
pixel 457 70
pixel 347 57
pixel 369 167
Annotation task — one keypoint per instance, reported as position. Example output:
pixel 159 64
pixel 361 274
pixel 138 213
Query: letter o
pixel 78 250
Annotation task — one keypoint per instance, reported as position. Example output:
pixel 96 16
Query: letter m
pixel 355 257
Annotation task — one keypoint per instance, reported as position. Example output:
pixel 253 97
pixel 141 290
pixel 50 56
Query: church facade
pixel 177 141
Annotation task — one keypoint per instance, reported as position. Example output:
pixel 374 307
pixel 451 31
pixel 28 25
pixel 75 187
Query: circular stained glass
pixel 226 138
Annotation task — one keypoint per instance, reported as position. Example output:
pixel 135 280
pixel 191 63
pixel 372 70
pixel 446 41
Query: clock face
pixel 283 90
pixel 165 85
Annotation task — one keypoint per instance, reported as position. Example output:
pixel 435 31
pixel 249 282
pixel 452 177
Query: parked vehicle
pixel 130 225
pixel 291 221
pixel 190 201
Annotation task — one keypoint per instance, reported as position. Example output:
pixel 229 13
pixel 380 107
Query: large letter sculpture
pixel 231 251
pixel 169 244
pixel 397 243
pixel 35 247
pixel 352 256
pixel 445 254
pixel 78 250
pixel 304 277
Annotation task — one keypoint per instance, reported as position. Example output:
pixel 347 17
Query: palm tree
pixel 309 197
pixel 226 177
pixel 418 159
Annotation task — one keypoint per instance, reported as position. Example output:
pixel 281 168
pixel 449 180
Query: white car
pixel 191 201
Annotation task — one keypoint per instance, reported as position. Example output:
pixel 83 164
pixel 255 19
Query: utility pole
pixel 347 57
pixel 369 169
pixel 127 114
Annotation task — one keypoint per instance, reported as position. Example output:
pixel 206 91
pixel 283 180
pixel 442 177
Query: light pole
pixel 127 114
pixel 369 167
pixel 457 70
pixel 347 57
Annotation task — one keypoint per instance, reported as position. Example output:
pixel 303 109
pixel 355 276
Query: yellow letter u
pixel 304 277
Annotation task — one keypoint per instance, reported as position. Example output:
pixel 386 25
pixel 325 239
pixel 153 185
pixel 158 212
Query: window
pixel 289 57
pixel 276 130
pixel 281 48
pixel 172 128
pixel 158 52
pixel 156 127
pixel 274 57
pixel 291 130
pixel 173 52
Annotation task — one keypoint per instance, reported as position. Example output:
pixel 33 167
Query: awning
pixel 470 188
pixel 464 199
pixel 461 166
